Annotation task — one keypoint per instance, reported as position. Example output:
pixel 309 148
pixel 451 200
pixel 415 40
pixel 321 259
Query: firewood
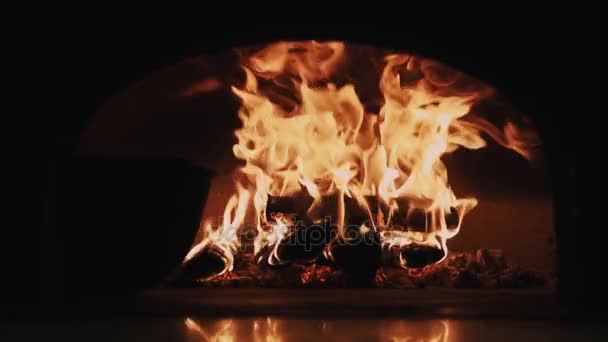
pixel 358 254
pixel 417 220
pixel 297 204
pixel 451 218
pixel 399 216
pixel 380 210
pixel 469 269
pixel 417 256
pixel 207 263
pixel 300 204
pixel 490 260
pixel 303 244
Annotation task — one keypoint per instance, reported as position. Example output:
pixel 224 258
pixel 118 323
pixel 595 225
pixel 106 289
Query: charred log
pixel 297 205
pixel 411 256
pixel 452 219
pixel 207 263
pixel 473 268
pixel 355 215
pixel 485 268
pixel 358 254
pixel 417 256
pixel 417 220
pixel 399 217
pixel 304 244
pixel 379 209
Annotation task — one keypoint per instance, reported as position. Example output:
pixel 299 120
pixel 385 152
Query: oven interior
pixel 201 181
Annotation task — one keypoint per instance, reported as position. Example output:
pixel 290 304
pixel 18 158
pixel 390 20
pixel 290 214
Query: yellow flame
pixel 225 237
pixel 327 144
pixel 270 238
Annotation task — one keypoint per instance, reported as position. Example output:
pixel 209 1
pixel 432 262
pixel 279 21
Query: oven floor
pixel 428 302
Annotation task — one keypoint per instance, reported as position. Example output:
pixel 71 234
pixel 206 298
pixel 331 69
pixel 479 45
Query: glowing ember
pixel 317 141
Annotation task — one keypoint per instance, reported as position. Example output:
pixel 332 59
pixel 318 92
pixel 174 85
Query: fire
pixel 225 236
pixel 272 237
pixel 315 139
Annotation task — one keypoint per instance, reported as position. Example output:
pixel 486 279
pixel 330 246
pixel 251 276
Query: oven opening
pixel 341 166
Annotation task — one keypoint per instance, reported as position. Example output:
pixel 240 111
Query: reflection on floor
pixel 270 329
pixel 192 329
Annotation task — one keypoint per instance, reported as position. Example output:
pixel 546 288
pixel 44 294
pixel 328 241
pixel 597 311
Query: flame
pixel 225 237
pixel 312 61
pixel 271 237
pixel 322 143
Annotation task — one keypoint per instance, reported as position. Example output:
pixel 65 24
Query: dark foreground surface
pixel 429 302
pixel 315 303
pixel 270 328
pixel 255 314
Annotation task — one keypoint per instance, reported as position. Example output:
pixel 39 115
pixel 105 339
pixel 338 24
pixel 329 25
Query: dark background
pixel 542 68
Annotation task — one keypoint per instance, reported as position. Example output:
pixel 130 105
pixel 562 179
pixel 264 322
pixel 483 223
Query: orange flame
pixel 225 236
pixel 326 144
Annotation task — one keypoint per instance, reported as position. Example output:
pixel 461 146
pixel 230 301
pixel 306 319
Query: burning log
pixel 417 220
pixel 306 244
pixel 305 241
pixel 297 205
pixel 417 256
pixel 379 209
pixel 411 256
pixel 207 263
pixel 482 268
pixel 358 254
pixel 354 214
pixel 409 249
pixel 334 151
pixel 308 239
pixel 491 260
pixel 399 217
pixel 452 219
